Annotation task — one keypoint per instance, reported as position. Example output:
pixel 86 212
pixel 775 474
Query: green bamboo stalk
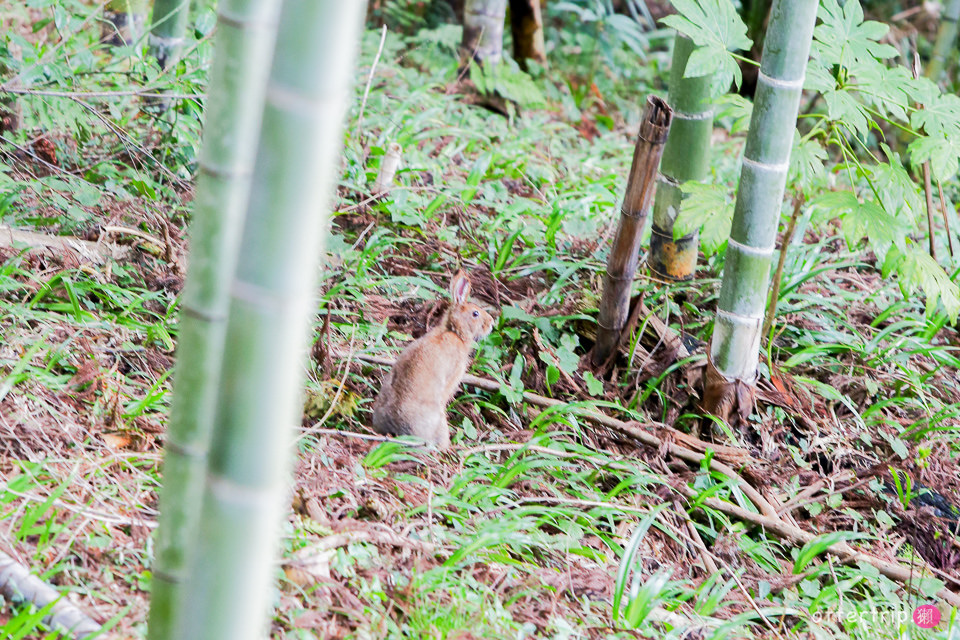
pixel 732 367
pixel 234 104
pixel 686 156
pixel 483 31
pixel 946 36
pixel 167 30
pixel 271 302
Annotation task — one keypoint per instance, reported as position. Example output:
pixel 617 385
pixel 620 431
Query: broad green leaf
pixel 585 14
pixel 706 207
pixel 401 212
pixel 843 38
pixel 870 220
pixel 806 161
pixel 916 270
pixel 861 220
pixel 736 107
pixel 818 77
pixel 943 153
pixel 628 31
pixel 891 91
pixel 930 586
pixel 553 375
pixel 843 107
pixel 834 204
pixel 716 28
pixel 511 83
pixel 566 356
pixel 939 115
pixel 594 386
pixel 899 194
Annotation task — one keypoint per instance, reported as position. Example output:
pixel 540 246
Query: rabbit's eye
pixel 476 314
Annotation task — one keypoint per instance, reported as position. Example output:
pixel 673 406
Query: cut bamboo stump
pixel 622 264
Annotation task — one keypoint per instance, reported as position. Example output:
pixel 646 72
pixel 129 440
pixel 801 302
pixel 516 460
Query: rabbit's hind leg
pixel 438 432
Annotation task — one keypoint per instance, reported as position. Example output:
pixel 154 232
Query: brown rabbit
pixel 414 396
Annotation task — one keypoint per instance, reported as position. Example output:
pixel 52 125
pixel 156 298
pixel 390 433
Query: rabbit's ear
pixel 460 288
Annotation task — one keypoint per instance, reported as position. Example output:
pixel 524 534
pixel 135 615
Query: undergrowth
pixel 539 522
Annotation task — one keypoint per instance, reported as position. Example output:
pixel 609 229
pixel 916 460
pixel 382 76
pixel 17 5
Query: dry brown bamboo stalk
pixel 622 264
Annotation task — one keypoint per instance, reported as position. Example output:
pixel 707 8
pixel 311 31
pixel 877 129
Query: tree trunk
pixel 123 22
pixel 238 80
pixel 622 263
pixel 167 30
pixel 946 36
pixel 731 372
pixel 686 156
pixel 482 31
pixel 271 303
pixel 526 25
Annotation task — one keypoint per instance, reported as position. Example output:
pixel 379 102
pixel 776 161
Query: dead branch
pixel 95 252
pixel 18 584
pixel 843 551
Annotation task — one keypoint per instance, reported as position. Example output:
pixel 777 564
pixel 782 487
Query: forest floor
pixel 541 521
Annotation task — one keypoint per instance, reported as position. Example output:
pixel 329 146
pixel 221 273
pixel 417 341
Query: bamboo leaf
pixel 627 560
pixel 513 390
pixel 819 545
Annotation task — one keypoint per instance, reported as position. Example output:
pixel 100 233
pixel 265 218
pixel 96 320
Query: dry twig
pixel 17 583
